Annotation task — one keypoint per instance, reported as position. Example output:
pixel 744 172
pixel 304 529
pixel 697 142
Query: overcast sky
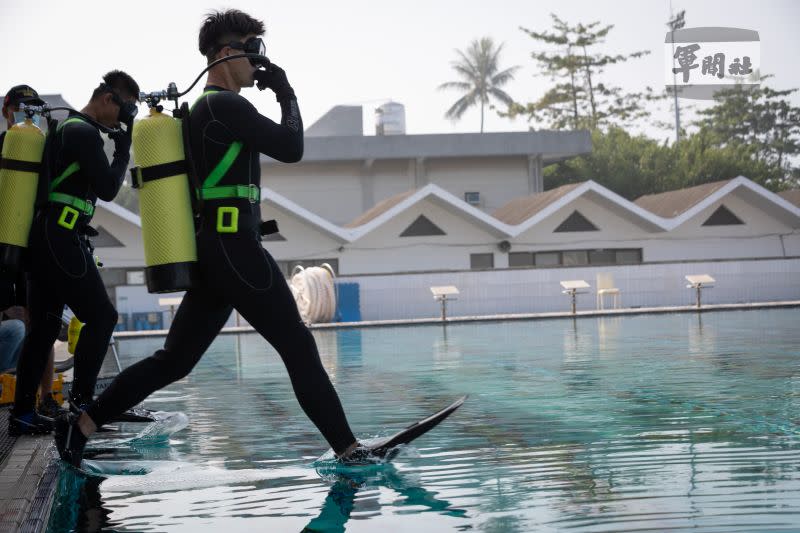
pixel 363 52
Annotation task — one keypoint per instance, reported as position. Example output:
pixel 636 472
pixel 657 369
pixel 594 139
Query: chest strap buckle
pixel 232 224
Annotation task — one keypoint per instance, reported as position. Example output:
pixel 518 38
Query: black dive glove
pixel 122 140
pixel 129 126
pixel 274 77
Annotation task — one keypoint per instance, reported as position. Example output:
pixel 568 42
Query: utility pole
pixel 675 23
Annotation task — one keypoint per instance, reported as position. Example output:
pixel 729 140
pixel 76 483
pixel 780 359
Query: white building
pixel 512 261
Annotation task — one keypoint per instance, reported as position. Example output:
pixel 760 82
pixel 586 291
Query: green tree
pixel 480 78
pixel 628 165
pixel 759 122
pixel 699 159
pixel 635 165
pixel 579 99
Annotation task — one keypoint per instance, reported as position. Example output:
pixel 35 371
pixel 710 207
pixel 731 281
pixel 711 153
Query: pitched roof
pixel 551 201
pixel 270 196
pixel 683 205
pixel 673 203
pixel 379 209
pixel 120 211
pixel 519 210
pixel 792 196
pixel 391 207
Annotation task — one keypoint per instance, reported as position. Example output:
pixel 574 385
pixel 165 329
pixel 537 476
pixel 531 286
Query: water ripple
pixel 650 423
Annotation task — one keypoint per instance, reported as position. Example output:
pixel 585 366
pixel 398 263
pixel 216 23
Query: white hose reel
pixel 314 292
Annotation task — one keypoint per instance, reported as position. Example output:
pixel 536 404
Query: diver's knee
pixel 169 367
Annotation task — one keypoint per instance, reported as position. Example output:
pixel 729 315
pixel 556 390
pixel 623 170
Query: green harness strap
pixel 210 190
pixel 84 206
pixel 222 168
pixel 69 171
pixel 74 166
pixel 249 192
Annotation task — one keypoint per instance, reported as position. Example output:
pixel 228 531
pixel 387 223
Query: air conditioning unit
pixel 472 198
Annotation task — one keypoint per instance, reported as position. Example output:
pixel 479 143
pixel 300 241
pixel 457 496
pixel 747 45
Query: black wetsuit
pixel 236 272
pixel 63 270
pixel 13 291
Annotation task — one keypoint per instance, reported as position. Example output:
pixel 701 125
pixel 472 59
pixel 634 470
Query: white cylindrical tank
pixel 390 119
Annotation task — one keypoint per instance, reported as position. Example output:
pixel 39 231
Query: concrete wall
pixel 341 191
pixel 791 244
pixel 538 290
pixel 389 178
pixel 331 190
pixel 404 296
pixel 498 180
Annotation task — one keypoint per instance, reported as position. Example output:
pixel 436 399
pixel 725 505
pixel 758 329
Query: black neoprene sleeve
pixel 86 147
pixel 283 141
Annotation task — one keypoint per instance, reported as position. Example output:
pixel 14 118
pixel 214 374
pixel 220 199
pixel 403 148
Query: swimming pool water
pixel 637 423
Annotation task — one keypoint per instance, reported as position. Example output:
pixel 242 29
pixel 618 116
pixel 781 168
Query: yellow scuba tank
pixel 73 334
pixel 19 178
pixel 165 203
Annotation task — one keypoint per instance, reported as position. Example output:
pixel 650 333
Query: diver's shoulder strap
pixel 205 93
pixel 224 165
pixel 191 168
pixel 209 189
pixel 71 169
pixel 70 120
pixel 82 205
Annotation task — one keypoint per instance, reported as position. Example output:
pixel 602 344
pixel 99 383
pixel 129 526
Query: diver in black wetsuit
pixel 227 134
pixel 63 270
pixel 15 285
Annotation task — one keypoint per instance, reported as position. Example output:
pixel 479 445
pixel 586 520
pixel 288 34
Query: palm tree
pixel 481 78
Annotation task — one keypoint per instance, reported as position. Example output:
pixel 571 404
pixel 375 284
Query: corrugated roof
pixel 379 209
pixel 519 210
pixel 792 196
pixel 672 203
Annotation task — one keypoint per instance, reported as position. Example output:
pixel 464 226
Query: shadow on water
pixel 78 505
pixel 348 482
